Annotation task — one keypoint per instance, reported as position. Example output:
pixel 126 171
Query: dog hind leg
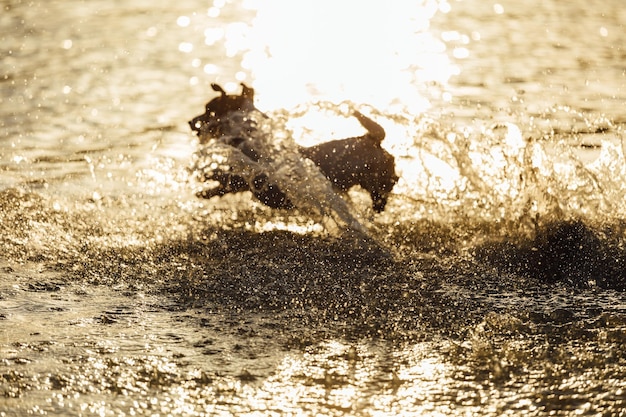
pixel 379 201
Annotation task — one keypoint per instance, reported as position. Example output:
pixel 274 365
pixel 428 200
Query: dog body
pixel 345 162
pixel 358 161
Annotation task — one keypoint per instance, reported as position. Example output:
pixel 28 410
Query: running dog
pixel 345 162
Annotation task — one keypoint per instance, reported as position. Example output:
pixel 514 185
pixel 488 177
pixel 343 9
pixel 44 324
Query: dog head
pixel 220 107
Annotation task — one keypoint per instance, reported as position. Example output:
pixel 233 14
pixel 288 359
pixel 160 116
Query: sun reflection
pixel 337 376
pixel 363 51
pixel 304 228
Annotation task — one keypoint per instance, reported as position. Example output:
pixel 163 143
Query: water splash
pixel 501 174
pixel 280 160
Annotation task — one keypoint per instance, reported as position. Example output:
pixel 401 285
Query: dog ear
pixel 218 88
pixel 247 92
pixel 374 131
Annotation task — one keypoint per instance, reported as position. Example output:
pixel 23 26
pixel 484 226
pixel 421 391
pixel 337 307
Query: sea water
pixel 491 285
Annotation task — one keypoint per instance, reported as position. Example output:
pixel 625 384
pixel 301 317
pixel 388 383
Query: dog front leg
pixel 228 183
pixel 212 192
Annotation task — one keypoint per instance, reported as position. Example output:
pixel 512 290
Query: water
pixel 491 285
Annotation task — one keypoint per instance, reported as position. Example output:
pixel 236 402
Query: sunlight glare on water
pixel 354 378
pixel 365 51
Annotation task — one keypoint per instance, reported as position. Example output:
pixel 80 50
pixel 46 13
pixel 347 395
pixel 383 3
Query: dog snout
pixel 196 124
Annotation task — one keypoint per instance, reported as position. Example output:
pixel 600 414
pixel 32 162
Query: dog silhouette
pixel 344 162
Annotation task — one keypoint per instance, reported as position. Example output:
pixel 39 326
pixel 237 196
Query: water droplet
pixel 183 21
pixel 213 12
pixel 210 69
pixel 185 47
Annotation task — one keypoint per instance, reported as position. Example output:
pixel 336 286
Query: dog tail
pixel 374 131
